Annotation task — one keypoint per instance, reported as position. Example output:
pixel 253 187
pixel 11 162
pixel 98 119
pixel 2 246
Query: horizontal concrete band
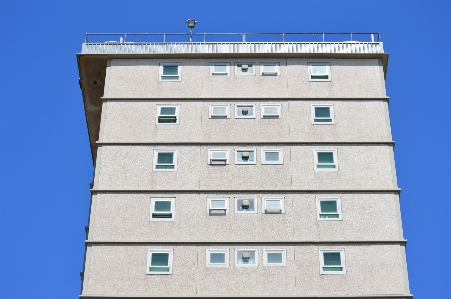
pixel 234 99
pixel 396 190
pixel 250 242
pixel 395 296
pixel 244 142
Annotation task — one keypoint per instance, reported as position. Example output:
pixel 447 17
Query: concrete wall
pixel 122 216
pixel 121 271
pixel 350 78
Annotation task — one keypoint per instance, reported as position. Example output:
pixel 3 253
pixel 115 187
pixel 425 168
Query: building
pixel 241 169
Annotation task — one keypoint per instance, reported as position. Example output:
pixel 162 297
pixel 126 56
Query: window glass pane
pixel 272 156
pixel 271 110
pixel 217 258
pixel 217 204
pixel 167 110
pixel 251 157
pixel 219 110
pixel 332 259
pixel 328 216
pixel 220 69
pixel 328 206
pixel 332 269
pixel 250 111
pixel 269 68
pixel 325 157
pixel 322 112
pixel 219 155
pixel 250 261
pixel 273 204
pixel 240 205
pixel 274 257
pixel 319 70
pixel 170 70
pixel 160 259
pixel 162 206
pixel 165 158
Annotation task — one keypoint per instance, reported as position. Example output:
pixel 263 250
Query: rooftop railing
pixel 247 37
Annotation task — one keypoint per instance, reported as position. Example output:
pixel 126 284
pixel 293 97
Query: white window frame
pixel 318 208
pixel 244 105
pixel 311 64
pixel 246 265
pixel 315 154
pixel 267 73
pixel 212 69
pixel 155 159
pixel 263 115
pixel 177 110
pixel 239 64
pixel 153 200
pixel 282 205
pixel 331 110
pixel 246 212
pixel 245 150
pixel 265 257
pixel 212 115
pixel 149 260
pixel 342 260
pixel 211 160
pixel 209 208
pixel 226 260
pixel 264 151
pixel 179 71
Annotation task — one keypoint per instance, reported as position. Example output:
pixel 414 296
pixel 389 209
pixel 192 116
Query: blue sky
pixel 45 160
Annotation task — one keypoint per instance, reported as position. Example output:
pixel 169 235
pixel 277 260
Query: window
pixel 274 257
pixel 165 160
pixel 332 261
pixel 159 261
pixel 273 205
pixel 218 206
pixel 270 111
pixel 269 68
pixel 220 68
pixel 245 111
pixel 167 114
pixel 246 205
pixel 245 68
pixel 218 157
pixel 170 72
pixel 162 209
pixel 326 160
pixel 246 258
pixel 328 208
pixel 245 156
pixel 319 71
pixel 217 257
pixel 323 114
pixel 219 111
pixel 272 156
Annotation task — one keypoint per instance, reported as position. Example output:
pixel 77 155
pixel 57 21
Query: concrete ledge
pixel 249 242
pixel 240 142
pixel 234 191
pixel 251 297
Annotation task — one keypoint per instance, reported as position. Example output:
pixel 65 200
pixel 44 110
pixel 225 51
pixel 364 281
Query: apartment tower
pixel 241 168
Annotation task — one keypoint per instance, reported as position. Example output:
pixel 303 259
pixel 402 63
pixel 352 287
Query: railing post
pixel 351 36
pixel 282 37
pixel 372 38
pixel 205 37
pixel 323 37
pixel 164 37
pixel 125 37
pixel 86 38
pixel 244 37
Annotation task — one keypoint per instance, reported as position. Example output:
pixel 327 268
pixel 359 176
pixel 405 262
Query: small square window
pixel 220 68
pixel 170 72
pixel 272 156
pixel 165 160
pixel 332 261
pixel 246 205
pixel 246 258
pixel 273 205
pixel 217 257
pixel 328 208
pixel 167 114
pixel 159 261
pixel 245 111
pixel 218 206
pixel 162 209
pixel 270 111
pixel 326 160
pixel 218 157
pixel 269 68
pixel 219 111
pixel 245 156
pixel 245 68
pixel 274 257
pixel 323 114
pixel 319 71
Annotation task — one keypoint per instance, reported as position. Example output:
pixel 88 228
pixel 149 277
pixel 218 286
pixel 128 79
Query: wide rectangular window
pixel 273 205
pixel 245 205
pixel 245 111
pixel 328 208
pixel 269 68
pixel 220 68
pixel 217 257
pixel 270 110
pixel 245 156
pixel 326 160
pixel 218 157
pixel 170 72
pixel 274 257
pixel 167 114
pixel 219 111
pixel 218 206
pixel 162 209
pixel 322 114
pixel 246 258
pixel 332 261
pixel 272 156
pixel 244 68
pixel 165 160
pixel 159 261
pixel 319 71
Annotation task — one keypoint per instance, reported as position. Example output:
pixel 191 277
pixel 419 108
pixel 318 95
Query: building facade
pixel 241 169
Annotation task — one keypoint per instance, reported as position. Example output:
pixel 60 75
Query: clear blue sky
pixel 45 160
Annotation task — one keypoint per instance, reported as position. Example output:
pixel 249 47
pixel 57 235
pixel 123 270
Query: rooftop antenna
pixel 191 24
